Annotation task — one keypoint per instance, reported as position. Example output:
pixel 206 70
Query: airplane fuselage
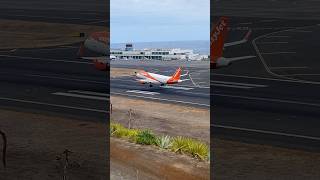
pixel 157 79
pixel 96 46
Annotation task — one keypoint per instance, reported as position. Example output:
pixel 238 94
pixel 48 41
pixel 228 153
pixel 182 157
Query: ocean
pixel 201 47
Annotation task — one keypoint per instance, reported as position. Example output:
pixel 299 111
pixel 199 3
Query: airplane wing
pixel 244 40
pixel 146 81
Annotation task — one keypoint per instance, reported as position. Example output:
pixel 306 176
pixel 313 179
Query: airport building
pixel 129 53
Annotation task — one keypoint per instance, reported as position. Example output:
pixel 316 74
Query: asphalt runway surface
pixel 54 80
pixel 72 12
pixel 194 92
pixel 274 97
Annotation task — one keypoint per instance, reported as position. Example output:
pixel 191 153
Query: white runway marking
pixel 237 85
pixel 161 99
pixel 303 75
pixel 232 86
pixel 275 42
pixel 277 36
pixel 298 67
pixel 53 105
pixel 283 52
pixel 269 100
pixel 176 87
pixel 81 96
pixel 267 132
pixel 46 59
pixel 143 92
pixel 302 31
pixel 68 79
pixel 268 79
pixel 89 92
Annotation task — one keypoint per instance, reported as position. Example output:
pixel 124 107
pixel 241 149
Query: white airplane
pixel 217 44
pixel 97 42
pixel 161 80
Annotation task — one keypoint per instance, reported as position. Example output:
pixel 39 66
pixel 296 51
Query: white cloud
pixel 140 20
pixel 161 7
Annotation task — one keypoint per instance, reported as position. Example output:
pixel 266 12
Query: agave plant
pixel 198 149
pixel 179 144
pixel 164 142
pixel 146 137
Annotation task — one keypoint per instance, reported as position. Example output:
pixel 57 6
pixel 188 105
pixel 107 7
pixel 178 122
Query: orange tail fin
pixel 177 74
pixel 217 37
pixel 175 77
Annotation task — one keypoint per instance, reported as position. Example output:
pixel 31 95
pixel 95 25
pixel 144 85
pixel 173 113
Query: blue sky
pixel 159 20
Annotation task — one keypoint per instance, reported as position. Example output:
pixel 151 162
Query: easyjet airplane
pixel 97 42
pixel 161 80
pixel 217 44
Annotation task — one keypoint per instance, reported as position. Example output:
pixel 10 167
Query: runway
pixel 193 92
pixel 54 80
pixel 42 83
pixel 80 12
pixel 277 99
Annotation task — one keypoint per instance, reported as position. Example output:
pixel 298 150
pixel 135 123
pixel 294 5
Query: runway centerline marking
pixel 268 99
pixel 281 52
pixel 303 75
pixel 162 99
pixel 267 132
pixel 302 31
pixel 237 85
pixel 274 42
pixel 268 79
pixel 81 96
pixel 298 67
pixel 143 92
pixel 278 36
pixel 232 86
pixel 89 92
pixel 176 87
pixel 53 105
pixel 45 59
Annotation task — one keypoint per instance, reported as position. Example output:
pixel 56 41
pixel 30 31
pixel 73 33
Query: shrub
pixel 187 145
pixel 115 128
pixel 198 149
pixel 118 130
pixel 146 137
pixel 164 142
pixel 179 144
pixel 132 134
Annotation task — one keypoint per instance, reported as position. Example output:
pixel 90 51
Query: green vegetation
pixel 120 131
pixel 179 144
pixel 164 142
pixel 146 137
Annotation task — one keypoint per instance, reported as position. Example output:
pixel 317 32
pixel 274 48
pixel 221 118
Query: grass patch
pixel 146 137
pixel 179 144
pixel 120 131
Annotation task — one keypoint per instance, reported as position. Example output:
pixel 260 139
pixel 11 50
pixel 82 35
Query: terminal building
pixel 129 53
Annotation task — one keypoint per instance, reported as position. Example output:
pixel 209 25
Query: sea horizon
pixel 198 46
